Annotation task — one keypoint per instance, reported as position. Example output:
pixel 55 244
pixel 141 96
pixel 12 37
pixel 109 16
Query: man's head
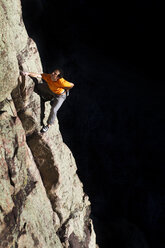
pixel 56 74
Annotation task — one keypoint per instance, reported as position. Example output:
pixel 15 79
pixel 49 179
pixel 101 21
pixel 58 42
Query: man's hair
pixel 61 72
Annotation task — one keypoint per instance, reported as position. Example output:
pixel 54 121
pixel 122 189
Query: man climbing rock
pixel 54 88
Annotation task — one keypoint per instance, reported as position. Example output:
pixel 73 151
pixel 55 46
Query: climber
pixel 53 88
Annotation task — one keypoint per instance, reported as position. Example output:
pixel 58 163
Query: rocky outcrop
pixel 26 215
pixel 42 202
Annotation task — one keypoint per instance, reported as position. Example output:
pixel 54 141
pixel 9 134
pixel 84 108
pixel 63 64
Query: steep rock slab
pixel 27 103
pixel 13 37
pixel 65 191
pixel 24 200
pixel 26 216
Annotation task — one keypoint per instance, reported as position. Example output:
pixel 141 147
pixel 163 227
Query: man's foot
pixel 44 129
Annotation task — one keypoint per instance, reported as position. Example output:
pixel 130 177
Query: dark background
pixel 113 120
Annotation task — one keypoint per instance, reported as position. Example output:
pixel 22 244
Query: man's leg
pixel 44 92
pixel 56 104
pixel 42 115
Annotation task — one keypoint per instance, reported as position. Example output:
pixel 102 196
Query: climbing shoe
pixel 44 129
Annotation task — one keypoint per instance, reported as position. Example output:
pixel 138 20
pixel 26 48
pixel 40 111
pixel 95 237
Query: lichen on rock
pixel 42 202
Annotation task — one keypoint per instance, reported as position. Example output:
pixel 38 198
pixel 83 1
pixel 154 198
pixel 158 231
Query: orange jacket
pixel 56 86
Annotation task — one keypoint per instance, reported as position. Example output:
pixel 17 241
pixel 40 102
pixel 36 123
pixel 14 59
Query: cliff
pixel 42 202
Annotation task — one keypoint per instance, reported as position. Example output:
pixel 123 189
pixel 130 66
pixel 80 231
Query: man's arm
pixel 32 74
pixel 65 84
pixel 69 87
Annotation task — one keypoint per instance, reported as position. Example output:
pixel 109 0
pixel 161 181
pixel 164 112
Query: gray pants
pixel 55 100
pixel 56 104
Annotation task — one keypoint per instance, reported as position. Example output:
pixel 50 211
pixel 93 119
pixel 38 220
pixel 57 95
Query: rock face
pixel 42 203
